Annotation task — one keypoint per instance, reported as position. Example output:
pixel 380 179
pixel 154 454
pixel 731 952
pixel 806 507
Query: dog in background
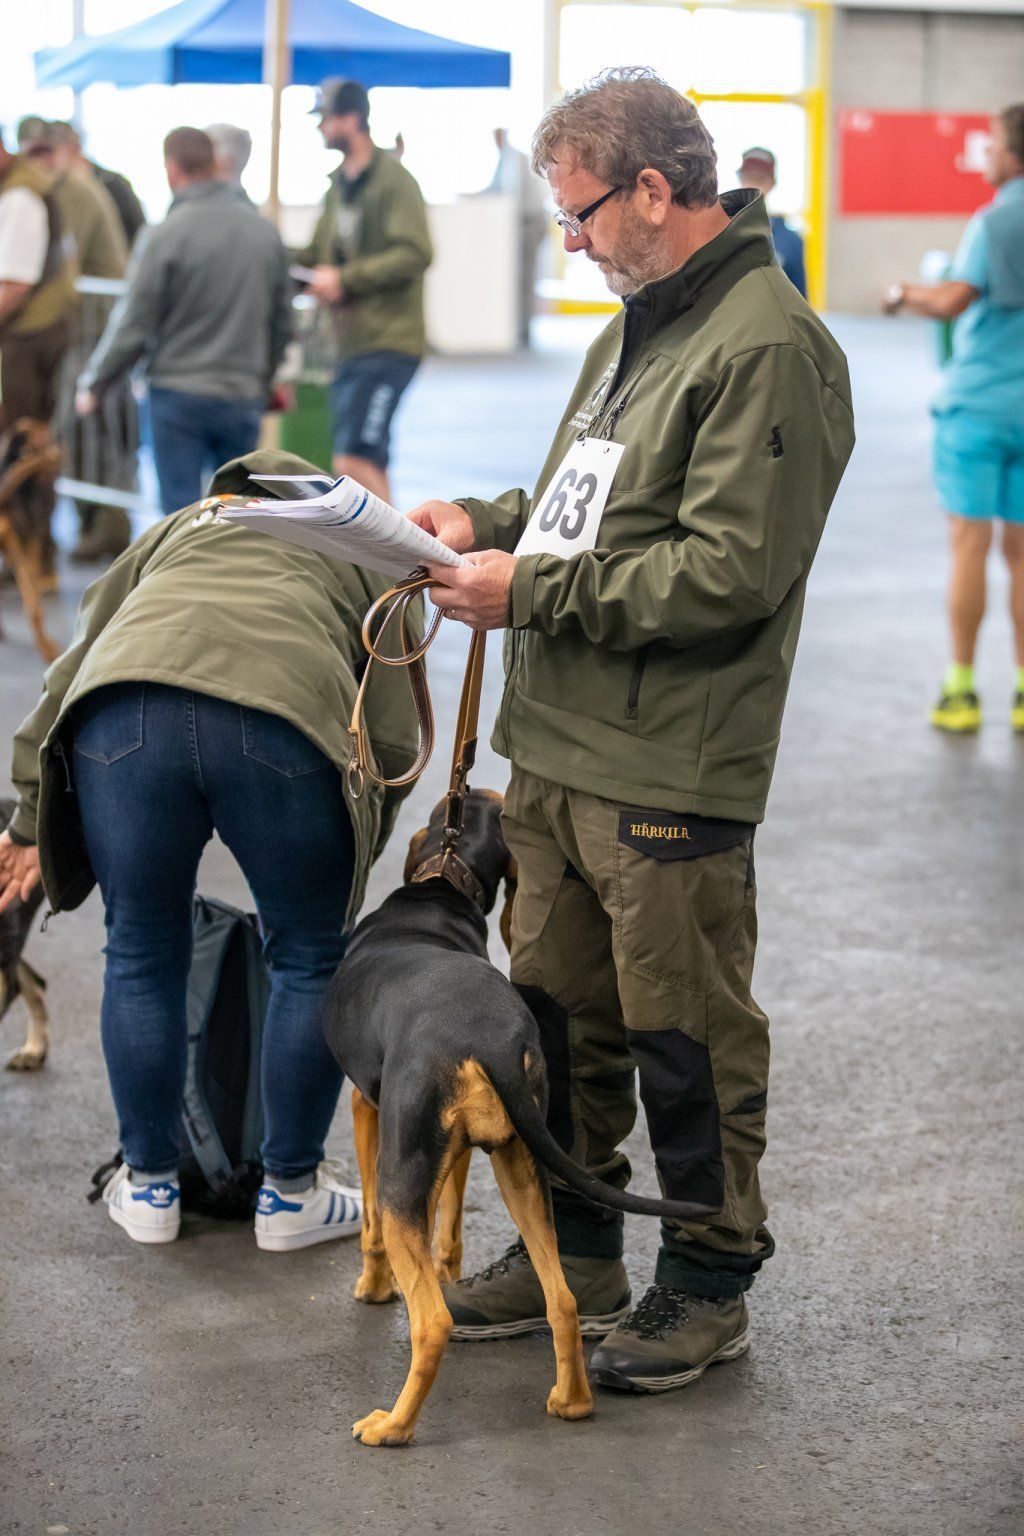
pixel 445 1056
pixel 18 978
pixel 29 464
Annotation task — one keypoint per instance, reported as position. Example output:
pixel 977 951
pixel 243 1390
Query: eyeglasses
pixel 571 222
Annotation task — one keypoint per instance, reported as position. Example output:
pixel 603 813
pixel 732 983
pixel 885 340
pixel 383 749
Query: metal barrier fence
pixel 101 451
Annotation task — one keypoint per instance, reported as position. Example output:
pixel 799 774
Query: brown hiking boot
pixel 670 1339
pixel 506 1298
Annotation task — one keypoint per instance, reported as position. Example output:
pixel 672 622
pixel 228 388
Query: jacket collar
pixel 199 191
pixel 746 243
pixel 1011 191
pixel 338 176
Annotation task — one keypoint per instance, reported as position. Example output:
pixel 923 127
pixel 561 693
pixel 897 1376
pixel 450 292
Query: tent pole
pixel 276 73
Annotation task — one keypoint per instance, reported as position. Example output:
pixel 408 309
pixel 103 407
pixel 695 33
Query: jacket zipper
pixel 624 399
pixel 58 751
pixel 633 695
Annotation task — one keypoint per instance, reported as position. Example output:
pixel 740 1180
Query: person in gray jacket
pixel 207 313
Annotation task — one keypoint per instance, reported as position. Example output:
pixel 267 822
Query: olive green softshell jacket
pixel 380 244
pixel 654 669
pixel 232 613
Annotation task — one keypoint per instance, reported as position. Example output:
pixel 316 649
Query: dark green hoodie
pixel 654 669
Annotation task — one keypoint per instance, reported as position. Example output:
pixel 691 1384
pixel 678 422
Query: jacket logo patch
pixel 664 835
pixel 775 443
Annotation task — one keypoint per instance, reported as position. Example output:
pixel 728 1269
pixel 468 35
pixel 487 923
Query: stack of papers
pixel 342 519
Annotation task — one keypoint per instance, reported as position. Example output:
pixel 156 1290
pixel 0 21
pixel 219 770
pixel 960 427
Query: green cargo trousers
pixel 633 937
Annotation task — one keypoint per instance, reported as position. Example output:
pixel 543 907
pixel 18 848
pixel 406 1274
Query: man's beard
pixel 341 142
pixel 635 259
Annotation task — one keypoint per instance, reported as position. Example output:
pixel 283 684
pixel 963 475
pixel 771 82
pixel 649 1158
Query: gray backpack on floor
pixel 222 1116
pixel 226 1004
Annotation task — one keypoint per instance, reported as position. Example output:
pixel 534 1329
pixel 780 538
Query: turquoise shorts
pixel 979 465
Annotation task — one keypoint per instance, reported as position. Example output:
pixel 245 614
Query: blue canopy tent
pixel 221 42
pixel 244 42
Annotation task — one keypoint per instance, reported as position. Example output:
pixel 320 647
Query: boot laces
pixel 513 1257
pixel 660 1311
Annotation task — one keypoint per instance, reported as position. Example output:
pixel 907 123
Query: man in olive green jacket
pixel 208 688
pixel 370 249
pixel 652 614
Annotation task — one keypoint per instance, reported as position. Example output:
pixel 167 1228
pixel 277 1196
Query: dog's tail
pixel 511 1073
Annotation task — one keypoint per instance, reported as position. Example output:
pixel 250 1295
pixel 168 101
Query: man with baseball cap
pixel 757 171
pixel 369 251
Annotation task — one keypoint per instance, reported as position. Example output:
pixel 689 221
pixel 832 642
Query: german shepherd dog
pixel 445 1056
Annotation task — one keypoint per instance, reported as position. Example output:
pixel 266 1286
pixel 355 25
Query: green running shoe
pixel 959 713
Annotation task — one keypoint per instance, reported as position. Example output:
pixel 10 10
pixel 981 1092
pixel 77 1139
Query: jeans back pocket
pixel 276 743
pixel 107 724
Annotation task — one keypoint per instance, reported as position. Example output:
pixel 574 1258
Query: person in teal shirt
pixel 979 417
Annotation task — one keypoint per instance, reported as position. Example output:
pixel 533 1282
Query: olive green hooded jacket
pixel 380 243
pixel 654 669
pixel 236 614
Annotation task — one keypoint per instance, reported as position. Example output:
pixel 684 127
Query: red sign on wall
pixel 912 163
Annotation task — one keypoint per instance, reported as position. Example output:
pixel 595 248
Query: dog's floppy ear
pixel 505 920
pixel 412 858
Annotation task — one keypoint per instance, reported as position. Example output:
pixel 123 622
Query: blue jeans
pixel 193 435
pixel 157 771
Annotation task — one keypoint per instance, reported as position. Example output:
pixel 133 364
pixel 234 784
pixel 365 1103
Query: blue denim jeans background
pixel 192 436
pixel 158 770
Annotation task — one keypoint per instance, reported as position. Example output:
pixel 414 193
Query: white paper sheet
pixel 345 521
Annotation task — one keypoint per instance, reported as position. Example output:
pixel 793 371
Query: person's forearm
pixel 13 297
pixel 934 301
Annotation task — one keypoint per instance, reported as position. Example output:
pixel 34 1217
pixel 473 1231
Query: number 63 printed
pixel 567 519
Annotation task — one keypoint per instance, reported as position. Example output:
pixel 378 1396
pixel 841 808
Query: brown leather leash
pixel 394 603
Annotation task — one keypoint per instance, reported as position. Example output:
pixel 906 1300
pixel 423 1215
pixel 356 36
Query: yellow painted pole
pixel 277 60
pixel 819 123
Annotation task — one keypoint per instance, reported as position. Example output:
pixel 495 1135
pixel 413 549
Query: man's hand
pixel 19 871
pixel 476 594
pixel 446 522
pixel 85 402
pixel 326 285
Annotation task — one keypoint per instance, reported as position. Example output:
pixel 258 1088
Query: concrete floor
pixel 207 1388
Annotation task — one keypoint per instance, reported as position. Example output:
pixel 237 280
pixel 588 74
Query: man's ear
pixel 653 196
pixel 511 885
pixel 412 858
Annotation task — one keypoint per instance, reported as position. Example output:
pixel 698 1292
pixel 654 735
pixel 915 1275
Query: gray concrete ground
pixel 206 1387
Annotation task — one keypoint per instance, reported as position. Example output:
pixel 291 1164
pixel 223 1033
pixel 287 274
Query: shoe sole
pixel 969 728
pixel 594 1326
pixel 619 1382
pixel 284 1242
pixel 141 1234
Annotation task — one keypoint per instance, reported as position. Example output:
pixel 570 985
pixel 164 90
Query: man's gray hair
pixel 624 120
pixel 232 144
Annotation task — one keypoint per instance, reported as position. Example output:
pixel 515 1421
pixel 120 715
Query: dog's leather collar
pixel 447 865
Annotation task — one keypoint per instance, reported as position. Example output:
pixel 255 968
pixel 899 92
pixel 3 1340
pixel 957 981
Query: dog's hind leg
pixel 430 1323
pixel 448 1236
pixel 37 1042
pixel 530 1209
pixel 376 1283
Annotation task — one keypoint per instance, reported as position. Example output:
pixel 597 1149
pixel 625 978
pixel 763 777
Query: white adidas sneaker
pixel 149 1213
pixel 318 1215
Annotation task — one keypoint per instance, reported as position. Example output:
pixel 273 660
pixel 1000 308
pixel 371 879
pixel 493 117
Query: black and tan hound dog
pixel 445 1056
pixel 18 978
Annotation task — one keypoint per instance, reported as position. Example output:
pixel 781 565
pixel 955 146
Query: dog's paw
pixel 376 1287
pixel 28 1059
pixel 578 1406
pixel 447 1270
pixel 378 1428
